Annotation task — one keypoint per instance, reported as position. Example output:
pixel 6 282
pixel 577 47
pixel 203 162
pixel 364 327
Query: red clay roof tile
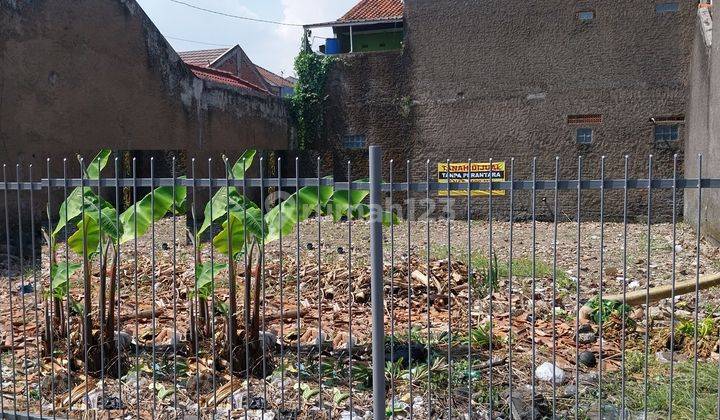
pixel 203 58
pixel 223 77
pixel 374 10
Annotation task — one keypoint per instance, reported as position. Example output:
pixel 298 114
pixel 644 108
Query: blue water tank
pixel 332 46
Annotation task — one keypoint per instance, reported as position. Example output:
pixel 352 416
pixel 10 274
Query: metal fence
pixel 338 309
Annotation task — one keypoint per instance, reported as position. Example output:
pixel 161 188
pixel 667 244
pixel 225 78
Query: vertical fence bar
pixel 246 307
pixel 392 298
pixel 153 279
pixel 232 300
pixel 469 289
pixel 195 303
pixel 320 339
pixel 282 287
pixel 87 287
pixel 135 284
pixel 376 292
pixel 297 279
pixel 263 341
pixel 556 210
pixel 103 284
pixel 577 289
pixel 50 300
pixel 533 287
pixel 261 294
pixel 427 286
pixel 672 286
pixel 248 281
pixel 67 297
pixel 698 235
pixel 410 288
pixel 175 285
pixel 449 293
pixel 117 279
pixel 36 303
pixel 213 307
pixel 624 320
pixel 231 327
pixel 510 279
pixel 647 289
pixel 13 366
pixel 7 238
pixel 351 296
pixel 493 268
pixel 22 290
pixel 601 278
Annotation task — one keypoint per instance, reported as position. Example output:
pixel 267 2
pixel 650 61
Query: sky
pixel 271 46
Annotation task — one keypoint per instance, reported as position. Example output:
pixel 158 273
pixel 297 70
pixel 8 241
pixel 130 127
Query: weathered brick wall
pixel 704 125
pixel 498 80
pixel 77 76
pixel 80 75
pixel 368 95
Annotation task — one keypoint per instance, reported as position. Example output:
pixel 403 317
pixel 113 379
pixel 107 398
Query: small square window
pixel 355 142
pixel 670 7
pixel 586 16
pixel 665 132
pixel 584 135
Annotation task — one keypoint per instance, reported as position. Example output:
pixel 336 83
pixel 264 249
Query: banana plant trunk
pixel 232 335
pixel 111 299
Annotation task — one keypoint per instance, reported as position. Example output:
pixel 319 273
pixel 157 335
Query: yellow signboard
pixel 478 172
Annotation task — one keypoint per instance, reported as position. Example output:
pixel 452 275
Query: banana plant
pixel 97 233
pixel 79 201
pixel 247 229
pixel 225 200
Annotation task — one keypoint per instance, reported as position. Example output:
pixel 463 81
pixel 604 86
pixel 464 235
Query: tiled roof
pixel 374 10
pixel 273 78
pixel 202 58
pixel 223 77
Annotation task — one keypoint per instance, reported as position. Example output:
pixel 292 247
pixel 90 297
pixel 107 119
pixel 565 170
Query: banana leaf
pixel 299 206
pixel 245 226
pixel 72 206
pixel 144 212
pixel 218 205
pixel 108 218
pixel 204 276
pixel 60 274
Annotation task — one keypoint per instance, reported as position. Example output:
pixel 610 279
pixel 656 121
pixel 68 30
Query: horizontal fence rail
pixel 168 297
pixel 634 184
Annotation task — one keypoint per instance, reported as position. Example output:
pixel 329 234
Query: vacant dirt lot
pixel 334 283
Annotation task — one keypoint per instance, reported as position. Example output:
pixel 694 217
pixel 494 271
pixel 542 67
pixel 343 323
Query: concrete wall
pixel 79 75
pixel 368 95
pixel 704 125
pixel 498 80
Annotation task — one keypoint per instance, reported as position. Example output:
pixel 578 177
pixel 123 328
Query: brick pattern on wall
pixel 480 80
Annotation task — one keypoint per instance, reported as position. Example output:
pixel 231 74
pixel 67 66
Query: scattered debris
pixel 550 373
pixel 588 359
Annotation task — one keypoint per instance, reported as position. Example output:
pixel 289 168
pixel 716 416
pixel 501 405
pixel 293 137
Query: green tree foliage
pixel 307 104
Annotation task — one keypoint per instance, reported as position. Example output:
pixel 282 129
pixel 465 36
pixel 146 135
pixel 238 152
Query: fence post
pixel 376 285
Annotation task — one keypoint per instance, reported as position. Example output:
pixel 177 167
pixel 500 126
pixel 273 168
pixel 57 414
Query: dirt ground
pixel 461 310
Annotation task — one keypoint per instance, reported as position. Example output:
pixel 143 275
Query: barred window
pixel 354 142
pixel 584 135
pixel 665 132
pixel 669 7
pixel 586 16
